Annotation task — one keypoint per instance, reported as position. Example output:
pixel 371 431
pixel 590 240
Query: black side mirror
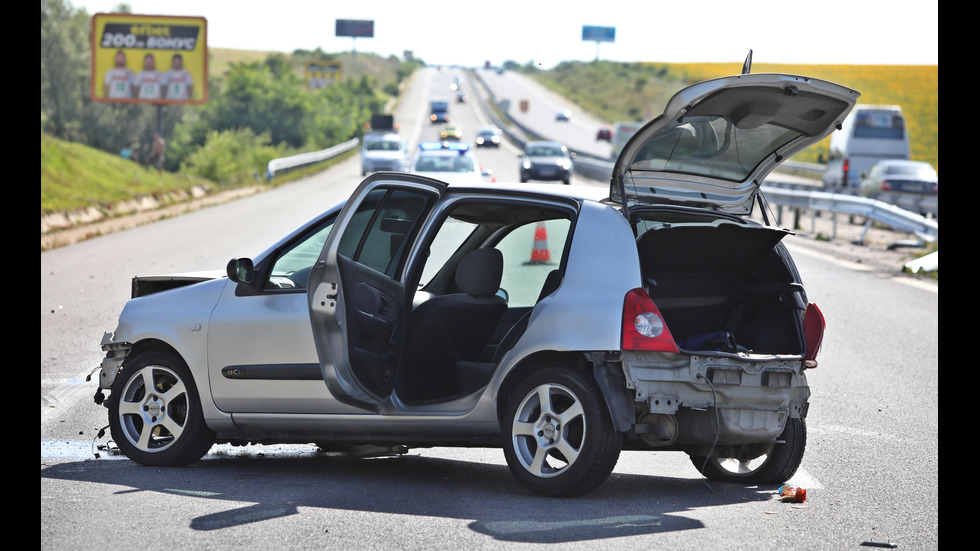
pixel 241 270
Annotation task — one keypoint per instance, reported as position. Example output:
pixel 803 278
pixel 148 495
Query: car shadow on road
pixel 485 494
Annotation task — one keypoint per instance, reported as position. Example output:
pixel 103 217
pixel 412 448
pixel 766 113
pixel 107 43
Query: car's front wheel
pixel 155 413
pixel 776 464
pixel 560 440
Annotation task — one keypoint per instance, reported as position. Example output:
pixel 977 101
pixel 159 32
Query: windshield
pixel 544 151
pixel 920 171
pixel 380 145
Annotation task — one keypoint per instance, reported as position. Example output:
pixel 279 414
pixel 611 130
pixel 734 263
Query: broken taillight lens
pixel 813 328
pixel 644 327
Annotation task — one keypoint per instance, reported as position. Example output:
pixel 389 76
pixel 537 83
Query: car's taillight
pixel 886 185
pixel 847 170
pixel 813 328
pixel 935 188
pixel 643 326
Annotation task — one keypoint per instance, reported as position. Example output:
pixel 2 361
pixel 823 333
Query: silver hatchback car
pixel 561 324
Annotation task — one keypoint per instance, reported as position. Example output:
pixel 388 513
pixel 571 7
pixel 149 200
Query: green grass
pixel 75 176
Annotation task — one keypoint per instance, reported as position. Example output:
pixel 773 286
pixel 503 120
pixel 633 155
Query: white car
pixel 383 151
pixel 452 162
pixel 562 324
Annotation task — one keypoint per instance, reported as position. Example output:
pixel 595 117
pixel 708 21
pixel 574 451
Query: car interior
pixel 462 329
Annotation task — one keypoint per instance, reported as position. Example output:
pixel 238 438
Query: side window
pixel 376 236
pixel 292 269
pixel 530 252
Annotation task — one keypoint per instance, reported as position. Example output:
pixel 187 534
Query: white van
pixel 622 132
pixel 871 133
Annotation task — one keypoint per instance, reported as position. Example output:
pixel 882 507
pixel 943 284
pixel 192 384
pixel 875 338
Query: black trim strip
pixel 273 372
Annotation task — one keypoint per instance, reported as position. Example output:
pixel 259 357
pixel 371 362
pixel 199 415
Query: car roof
pixel 573 191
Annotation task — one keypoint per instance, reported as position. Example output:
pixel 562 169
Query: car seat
pixel 455 327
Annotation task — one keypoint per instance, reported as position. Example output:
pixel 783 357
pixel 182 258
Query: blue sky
pixel 859 32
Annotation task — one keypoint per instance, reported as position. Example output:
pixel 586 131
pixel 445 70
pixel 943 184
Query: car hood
pixel 382 154
pixel 717 140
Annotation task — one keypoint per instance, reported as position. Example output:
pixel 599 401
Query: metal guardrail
pixel 871 209
pixel 304 159
pixel 811 200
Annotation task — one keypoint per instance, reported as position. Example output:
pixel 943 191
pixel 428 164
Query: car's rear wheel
pixel 560 440
pixel 155 413
pixel 776 464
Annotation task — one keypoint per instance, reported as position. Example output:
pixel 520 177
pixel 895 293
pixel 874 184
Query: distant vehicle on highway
pixel 452 162
pixel 546 160
pixel 912 185
pixel 564 115
pixel 604 134
pixel 621 133
pixel 439 111
pixel 870 134
pixel 383 151
pixel 488 136
pixel 450 132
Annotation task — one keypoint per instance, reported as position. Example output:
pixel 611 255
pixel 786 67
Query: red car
pixel 604 134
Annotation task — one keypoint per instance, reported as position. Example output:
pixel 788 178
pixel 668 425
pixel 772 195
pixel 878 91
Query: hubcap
pixel 548 430
pixel 153 409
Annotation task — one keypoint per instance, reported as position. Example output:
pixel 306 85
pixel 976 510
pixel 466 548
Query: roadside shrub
pixel 232 157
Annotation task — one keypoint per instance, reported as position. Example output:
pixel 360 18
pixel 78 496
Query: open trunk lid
pixel 717 140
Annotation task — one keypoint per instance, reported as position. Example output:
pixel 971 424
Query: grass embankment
pixel 75 176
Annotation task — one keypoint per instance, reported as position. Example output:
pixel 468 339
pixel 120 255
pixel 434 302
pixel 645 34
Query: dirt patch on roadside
pixel 62 229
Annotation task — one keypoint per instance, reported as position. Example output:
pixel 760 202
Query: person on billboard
pixel 178 82
pixel 118 81
pixel 148 83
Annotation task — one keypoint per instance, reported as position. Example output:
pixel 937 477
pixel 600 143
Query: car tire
pixel 778 462
pixel 165 425
pixel 567 446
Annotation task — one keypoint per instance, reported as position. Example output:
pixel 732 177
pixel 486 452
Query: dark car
pixel 488 136
pixel 546 160
pixel 604 134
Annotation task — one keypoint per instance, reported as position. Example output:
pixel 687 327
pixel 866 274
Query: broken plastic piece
pixel 792 493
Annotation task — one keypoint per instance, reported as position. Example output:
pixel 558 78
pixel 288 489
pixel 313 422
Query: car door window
pixel 377 241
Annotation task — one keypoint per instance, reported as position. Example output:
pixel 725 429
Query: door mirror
pixel 241 270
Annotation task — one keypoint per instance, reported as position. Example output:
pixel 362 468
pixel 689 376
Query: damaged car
pixel 559 324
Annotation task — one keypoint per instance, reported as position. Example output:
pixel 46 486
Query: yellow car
pixel 450 132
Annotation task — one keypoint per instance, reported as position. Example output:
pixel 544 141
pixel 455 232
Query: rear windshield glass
pixel 712 146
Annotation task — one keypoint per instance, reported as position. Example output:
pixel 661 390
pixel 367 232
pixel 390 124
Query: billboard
pixel 149 59
pixel 355 28
pixel 322 72
pixel 598 34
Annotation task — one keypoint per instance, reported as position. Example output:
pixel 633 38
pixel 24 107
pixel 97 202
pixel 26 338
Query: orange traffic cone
pixel 540 253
